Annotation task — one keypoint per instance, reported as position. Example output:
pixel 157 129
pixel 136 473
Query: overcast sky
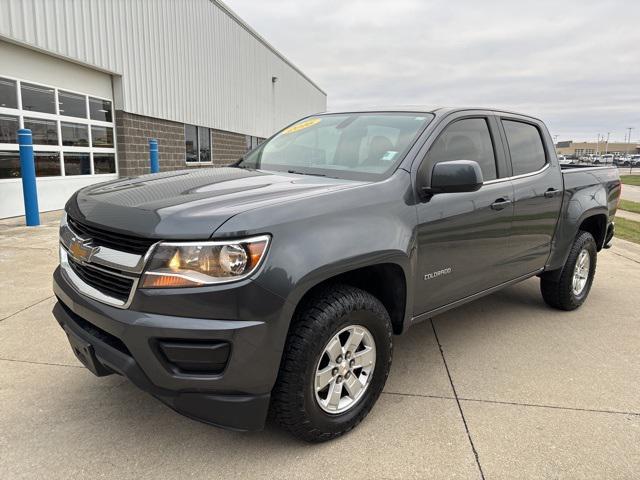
pixel 576 64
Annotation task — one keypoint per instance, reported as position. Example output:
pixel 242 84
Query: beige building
pixel 571 148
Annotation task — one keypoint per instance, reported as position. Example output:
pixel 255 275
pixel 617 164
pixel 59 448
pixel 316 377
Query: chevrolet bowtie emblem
pixel 81 250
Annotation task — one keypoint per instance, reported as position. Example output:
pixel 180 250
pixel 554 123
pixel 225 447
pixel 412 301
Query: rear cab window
pixel 525 146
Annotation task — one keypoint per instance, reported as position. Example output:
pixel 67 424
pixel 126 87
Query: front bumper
pixel 112 340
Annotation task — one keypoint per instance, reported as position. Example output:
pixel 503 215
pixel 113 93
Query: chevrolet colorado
pixel 276 284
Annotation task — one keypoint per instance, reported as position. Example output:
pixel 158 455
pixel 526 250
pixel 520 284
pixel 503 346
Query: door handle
pixel 500 204
pixel 551 192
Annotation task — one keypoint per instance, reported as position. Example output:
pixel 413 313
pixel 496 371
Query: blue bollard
pixel 28 174
pixel 153 155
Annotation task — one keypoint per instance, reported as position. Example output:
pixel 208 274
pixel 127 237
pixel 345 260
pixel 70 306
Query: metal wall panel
pixel 190 61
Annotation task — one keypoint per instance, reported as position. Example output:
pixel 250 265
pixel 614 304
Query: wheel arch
pixel 387 281
pixel 593 221
pixel 596 224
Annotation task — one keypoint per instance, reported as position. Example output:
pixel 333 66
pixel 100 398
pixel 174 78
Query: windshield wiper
pixel 306 173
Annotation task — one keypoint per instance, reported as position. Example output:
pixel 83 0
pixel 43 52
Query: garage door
pixel 73 130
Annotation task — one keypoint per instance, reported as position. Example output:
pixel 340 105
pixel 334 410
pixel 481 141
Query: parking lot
pixel 503 387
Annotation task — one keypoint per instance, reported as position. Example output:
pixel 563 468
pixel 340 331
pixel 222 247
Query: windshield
pixel 359 146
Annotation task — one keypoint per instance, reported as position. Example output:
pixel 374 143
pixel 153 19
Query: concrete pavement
pixel 631 192
pixel 502 388
pixel 628 215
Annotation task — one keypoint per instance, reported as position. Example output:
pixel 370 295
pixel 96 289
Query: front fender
pixel 317 238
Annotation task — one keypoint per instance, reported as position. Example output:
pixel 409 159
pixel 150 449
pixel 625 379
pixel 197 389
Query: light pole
pixel 628 146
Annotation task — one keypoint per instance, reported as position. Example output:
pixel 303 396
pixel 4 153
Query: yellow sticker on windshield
pixel 301 126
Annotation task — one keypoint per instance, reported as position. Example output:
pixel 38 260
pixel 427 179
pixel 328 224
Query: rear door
pixel 463 237
pixel 537 186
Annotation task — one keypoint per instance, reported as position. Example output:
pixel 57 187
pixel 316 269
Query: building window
pixel 74 137
pixel 204 137
pixel 47 164
pixel 74 134
pixel 38 99
pixel 44 132
pixel 77 164
pixel 9 126
pixel 102 136
pixel 104 163
pixel 8 93
pixel 9 165
pixel 100 110
pixel 252 142
pixel 191 142
pixel 72 105
pixel 197 144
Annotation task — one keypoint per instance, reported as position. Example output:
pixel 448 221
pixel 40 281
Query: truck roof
pixel 441 110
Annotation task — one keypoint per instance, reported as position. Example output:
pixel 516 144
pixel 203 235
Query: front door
pixel 463 237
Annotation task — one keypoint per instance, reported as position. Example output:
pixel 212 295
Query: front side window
pixel 346 145
pixel 467 139
pixel 8 95
pixel 525 147
pixel 37 98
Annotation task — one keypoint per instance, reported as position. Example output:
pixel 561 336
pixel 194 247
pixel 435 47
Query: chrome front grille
pixel 110 284
pixel 98 271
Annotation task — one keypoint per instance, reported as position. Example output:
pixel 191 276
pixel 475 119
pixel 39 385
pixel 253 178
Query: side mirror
pixel 454 176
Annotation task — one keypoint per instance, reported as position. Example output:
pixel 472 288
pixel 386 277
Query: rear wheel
pixel 335 364
pixel 571 288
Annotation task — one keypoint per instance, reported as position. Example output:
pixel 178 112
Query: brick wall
pixel 227 146
pixel 133 133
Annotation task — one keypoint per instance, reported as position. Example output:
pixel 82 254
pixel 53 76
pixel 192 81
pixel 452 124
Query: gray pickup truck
pixel 276 284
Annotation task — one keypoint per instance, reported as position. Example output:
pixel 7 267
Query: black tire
pixel 559 293
pixel 293 401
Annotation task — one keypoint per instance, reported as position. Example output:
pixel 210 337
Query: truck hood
pixel 190 204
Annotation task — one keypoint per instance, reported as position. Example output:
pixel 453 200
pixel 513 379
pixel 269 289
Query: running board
pixel 427 315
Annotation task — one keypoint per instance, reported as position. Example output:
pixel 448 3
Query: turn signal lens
pixel 175 265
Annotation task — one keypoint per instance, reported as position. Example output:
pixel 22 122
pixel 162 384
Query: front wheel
pixel 335 364
pixel 571 289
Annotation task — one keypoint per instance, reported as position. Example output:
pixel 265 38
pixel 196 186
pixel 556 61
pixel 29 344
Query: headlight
pixel 203 263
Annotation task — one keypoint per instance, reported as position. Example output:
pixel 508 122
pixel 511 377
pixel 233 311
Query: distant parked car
pixel 562 160
pixel 607 158
pixel 625 161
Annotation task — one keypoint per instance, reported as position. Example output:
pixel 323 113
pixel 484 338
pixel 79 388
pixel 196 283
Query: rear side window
pixel 525 146
pixel 467 139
